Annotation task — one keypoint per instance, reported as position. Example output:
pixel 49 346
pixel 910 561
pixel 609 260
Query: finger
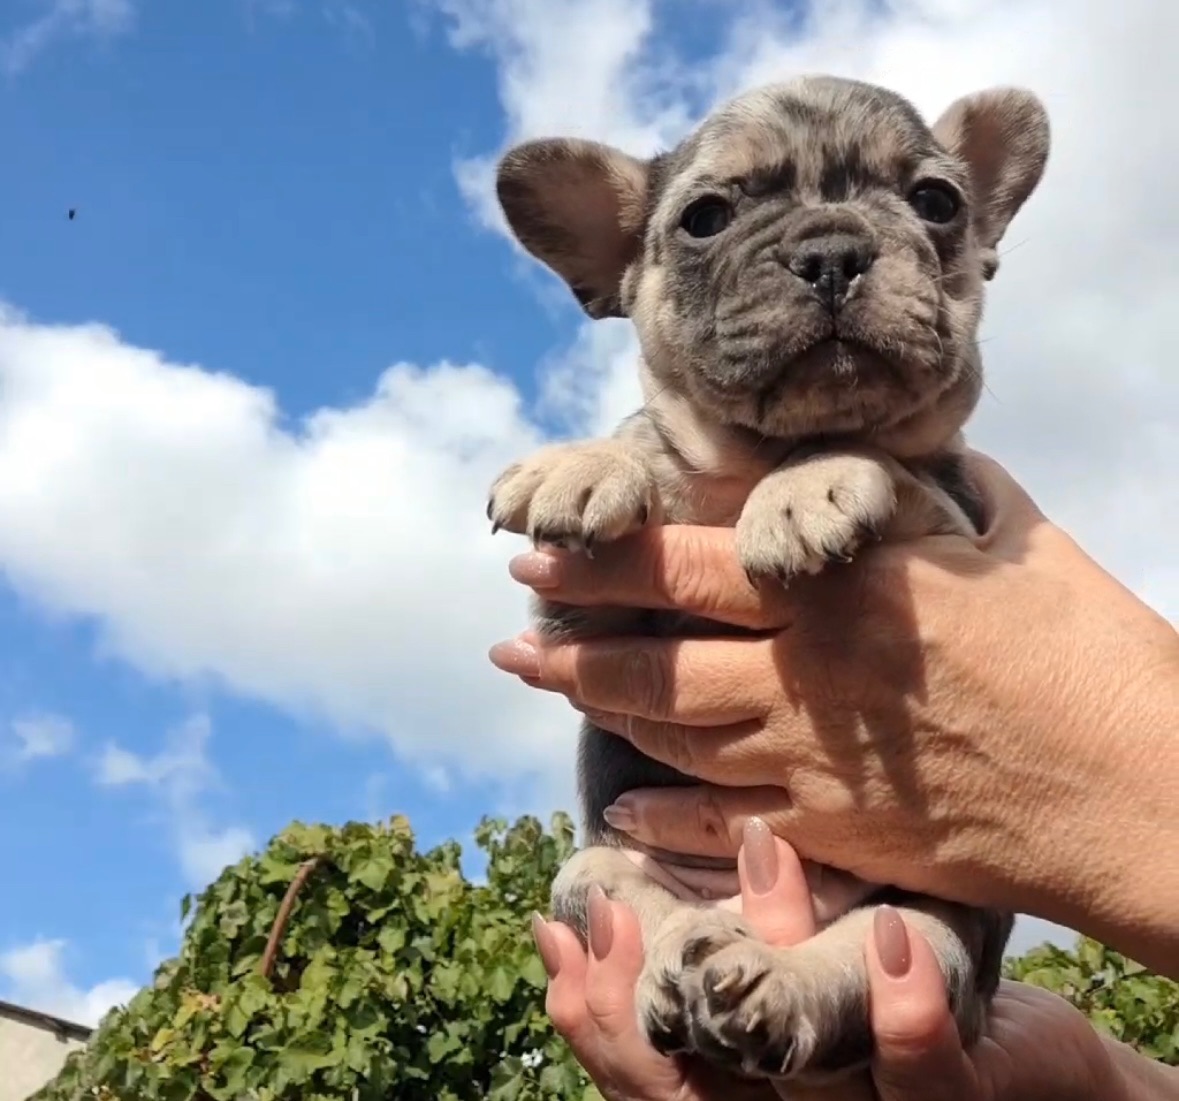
pixel 775 894
pixel 565 964
pixel 698 682
pixel 702 820
pixel 624 1064
pixel 689 569
pixel 615 961
pixel 919 1055
pixel 733 754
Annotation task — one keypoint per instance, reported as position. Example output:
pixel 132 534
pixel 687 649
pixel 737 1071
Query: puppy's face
pixel 810 261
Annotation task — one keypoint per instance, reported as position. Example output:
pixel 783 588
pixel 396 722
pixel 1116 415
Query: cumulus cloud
pixel 37 736
pixel 34 975
pixel 179 776
pixel 343 568
pixel 60 19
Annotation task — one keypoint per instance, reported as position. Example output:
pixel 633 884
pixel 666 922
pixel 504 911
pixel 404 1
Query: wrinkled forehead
pixel 817 135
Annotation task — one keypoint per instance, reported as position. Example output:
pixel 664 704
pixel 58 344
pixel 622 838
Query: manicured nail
pixel 621 816
pixel 516 656
pixel 601 923
pixel 892 942
pixel 545 945
pixel 761 856
pixel 538 571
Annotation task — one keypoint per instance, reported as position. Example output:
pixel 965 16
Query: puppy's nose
pixel 830 265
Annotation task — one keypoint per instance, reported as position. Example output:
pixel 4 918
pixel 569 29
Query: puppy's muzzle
pixel 831 266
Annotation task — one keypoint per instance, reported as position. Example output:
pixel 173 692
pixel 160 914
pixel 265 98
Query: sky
pixel 252 396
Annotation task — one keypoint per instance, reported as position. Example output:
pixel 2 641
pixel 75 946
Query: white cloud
pixel 205 853
pixel 62 19
pixel 34 975
pixel 343 569
pixel 37 736
pixel 180 775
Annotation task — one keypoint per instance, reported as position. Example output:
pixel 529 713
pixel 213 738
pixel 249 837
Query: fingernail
pixel 601 923
pixel 539 571
pixel 892 942
pixel 516 656
pixel 761 856
pixel 545 945
pixel 621 816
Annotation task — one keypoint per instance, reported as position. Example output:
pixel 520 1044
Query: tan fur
pixel 807 370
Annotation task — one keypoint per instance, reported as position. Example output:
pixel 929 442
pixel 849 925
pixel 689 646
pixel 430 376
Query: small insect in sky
pixel 73 213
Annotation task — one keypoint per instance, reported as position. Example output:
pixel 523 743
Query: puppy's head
pixel 810 260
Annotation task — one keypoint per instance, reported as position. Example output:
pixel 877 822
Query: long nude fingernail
pixel 601 923
pixel 621 816
pixel 516 656
pixel 537 570
pixel 892 942
pixel 545 945
pixel 761 856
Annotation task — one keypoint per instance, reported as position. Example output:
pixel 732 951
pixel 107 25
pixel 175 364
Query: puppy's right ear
pixel 577 206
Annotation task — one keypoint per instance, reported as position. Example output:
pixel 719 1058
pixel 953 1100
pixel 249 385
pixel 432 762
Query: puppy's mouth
pixel 832 360
pixel 841 356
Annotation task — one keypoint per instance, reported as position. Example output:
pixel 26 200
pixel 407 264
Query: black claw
pixel 644 515
pixel 495 527
pixel 587 545
pixel 490 507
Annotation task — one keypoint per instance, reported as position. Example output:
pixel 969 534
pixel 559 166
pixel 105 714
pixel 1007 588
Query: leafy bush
pixel 344 965
pixel 395 977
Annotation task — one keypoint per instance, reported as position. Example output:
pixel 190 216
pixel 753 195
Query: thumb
pixel 919 1056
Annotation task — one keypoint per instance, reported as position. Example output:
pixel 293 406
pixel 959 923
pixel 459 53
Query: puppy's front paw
pixel 575 495
pixel 812 512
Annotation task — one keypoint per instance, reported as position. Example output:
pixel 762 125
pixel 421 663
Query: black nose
pixel 831 265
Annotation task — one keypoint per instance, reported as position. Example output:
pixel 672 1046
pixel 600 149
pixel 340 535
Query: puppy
pixel 805 274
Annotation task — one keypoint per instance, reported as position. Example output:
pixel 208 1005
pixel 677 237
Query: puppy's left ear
pixel 1002 135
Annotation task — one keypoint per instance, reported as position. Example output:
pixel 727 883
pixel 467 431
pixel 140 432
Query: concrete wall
pixel 30 1055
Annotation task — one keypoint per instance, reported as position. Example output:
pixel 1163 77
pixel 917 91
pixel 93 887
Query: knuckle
pixel 677 747
pixel 684 580
pixel 712 823
pixel 646 680
pixel 563 1011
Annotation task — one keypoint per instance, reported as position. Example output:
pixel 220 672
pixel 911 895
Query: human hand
pixel 1035 1045
pixel 950 716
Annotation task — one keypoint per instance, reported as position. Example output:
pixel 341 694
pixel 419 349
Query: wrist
pixel 1134 1077
pixel 1116 879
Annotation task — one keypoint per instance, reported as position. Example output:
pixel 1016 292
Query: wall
pixel 30 1055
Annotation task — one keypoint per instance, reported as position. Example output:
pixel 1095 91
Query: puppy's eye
pixel 707 217
pixel 935 202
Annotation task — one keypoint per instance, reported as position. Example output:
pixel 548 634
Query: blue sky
pixel 272 195
pixel 252 396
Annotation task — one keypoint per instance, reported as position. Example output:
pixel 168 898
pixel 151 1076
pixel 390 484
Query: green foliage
pixel 395 977
pixel 1121 998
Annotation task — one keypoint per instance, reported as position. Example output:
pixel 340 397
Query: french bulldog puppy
pixel 805 274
